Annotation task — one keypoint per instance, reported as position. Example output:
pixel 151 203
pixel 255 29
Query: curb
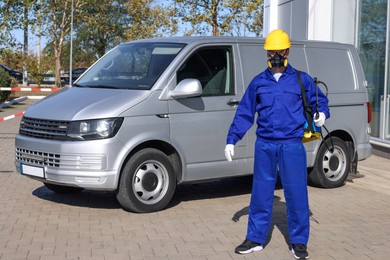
pixel 30 89
pixel 11 116
pixel 14 101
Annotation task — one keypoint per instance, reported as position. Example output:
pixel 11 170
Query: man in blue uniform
pixel 275 95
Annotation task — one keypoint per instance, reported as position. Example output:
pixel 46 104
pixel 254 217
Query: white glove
pixel 229 152
pixel 320 120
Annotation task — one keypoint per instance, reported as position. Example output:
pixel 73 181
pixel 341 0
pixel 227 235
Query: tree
pixel 102 26
pixel 12 58
pixel 218 16
pixel 36 70
pixel 7 10
pixel 250 20
pixel 5 82
pixel 148 19
pixel 83 55
pixel 58 15
pixel 13 19
pixel 99 26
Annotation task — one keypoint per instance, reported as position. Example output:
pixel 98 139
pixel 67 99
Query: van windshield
pixel 131 66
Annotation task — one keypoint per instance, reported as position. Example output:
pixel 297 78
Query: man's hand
pixel 229 152
pixel 319 119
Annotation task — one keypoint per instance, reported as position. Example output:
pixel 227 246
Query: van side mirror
pixel 187 88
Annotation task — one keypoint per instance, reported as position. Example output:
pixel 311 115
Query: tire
pixel 331 169
pixel 147 182
pixel 62 189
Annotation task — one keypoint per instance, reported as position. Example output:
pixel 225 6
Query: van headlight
pixel 94 129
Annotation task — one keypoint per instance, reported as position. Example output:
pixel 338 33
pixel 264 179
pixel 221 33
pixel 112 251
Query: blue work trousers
pixel 290 159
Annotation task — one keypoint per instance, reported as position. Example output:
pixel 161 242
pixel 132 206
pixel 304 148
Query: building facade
pixel 363 23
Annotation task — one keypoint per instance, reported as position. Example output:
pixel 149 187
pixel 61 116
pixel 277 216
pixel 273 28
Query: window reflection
pixel 372 51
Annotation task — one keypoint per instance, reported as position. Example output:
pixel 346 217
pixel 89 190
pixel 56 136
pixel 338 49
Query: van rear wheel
pixel 147 182
pixel 331 167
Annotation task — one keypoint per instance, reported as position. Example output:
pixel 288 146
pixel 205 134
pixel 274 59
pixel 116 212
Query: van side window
pixel 213 68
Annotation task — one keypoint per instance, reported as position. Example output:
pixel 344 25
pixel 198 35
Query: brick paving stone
pixel 350 222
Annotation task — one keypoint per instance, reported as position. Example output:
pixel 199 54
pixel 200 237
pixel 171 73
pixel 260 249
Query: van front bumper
pixel 78 164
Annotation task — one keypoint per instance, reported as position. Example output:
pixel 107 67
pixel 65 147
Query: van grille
pixel 61 161
pixel 45 129
pixel 37 158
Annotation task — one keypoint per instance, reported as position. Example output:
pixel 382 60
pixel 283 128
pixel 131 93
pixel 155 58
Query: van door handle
pixel 232 102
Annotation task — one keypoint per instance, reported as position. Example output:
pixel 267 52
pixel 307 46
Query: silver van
pixel 154 113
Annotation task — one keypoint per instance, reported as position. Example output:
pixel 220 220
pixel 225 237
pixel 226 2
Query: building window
pixel 372 51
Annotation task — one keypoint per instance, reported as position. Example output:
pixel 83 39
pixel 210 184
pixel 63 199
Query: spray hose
pixel 316 82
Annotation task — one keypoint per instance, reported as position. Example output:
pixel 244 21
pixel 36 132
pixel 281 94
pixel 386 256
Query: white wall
pixel 327 20
pixel 271 16
pixel 344 17
pixel 288 15
pixel 320 20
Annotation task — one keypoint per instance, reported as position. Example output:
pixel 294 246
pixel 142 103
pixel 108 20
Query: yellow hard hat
pixel 277 40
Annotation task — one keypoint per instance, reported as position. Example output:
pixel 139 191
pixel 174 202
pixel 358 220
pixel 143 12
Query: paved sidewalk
pixel 351 222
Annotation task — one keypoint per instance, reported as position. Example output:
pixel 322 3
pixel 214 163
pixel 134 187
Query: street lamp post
pixel 71 46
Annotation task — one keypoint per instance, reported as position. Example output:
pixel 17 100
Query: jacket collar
pixel 289 70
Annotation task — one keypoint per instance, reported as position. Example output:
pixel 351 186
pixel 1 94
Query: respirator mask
pixel 277 61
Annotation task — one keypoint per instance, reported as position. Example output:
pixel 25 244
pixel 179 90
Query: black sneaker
pixel 299 251
pixel 248 247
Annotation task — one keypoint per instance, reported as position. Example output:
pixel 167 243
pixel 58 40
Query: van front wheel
pixel 331 167
pixel 147 182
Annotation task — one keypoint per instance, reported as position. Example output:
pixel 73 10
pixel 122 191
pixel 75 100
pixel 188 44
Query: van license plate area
pixel 32 171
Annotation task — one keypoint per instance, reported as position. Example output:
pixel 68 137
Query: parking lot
pixel 351 222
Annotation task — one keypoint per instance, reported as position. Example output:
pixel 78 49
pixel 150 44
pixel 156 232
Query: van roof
pixel 233 39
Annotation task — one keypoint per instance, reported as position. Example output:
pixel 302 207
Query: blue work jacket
pixel 279 107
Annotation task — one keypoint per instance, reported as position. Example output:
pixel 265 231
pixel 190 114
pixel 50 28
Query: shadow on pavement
pixel 214 189
pixel 279 219
pixel 84 198
pixel 184 192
